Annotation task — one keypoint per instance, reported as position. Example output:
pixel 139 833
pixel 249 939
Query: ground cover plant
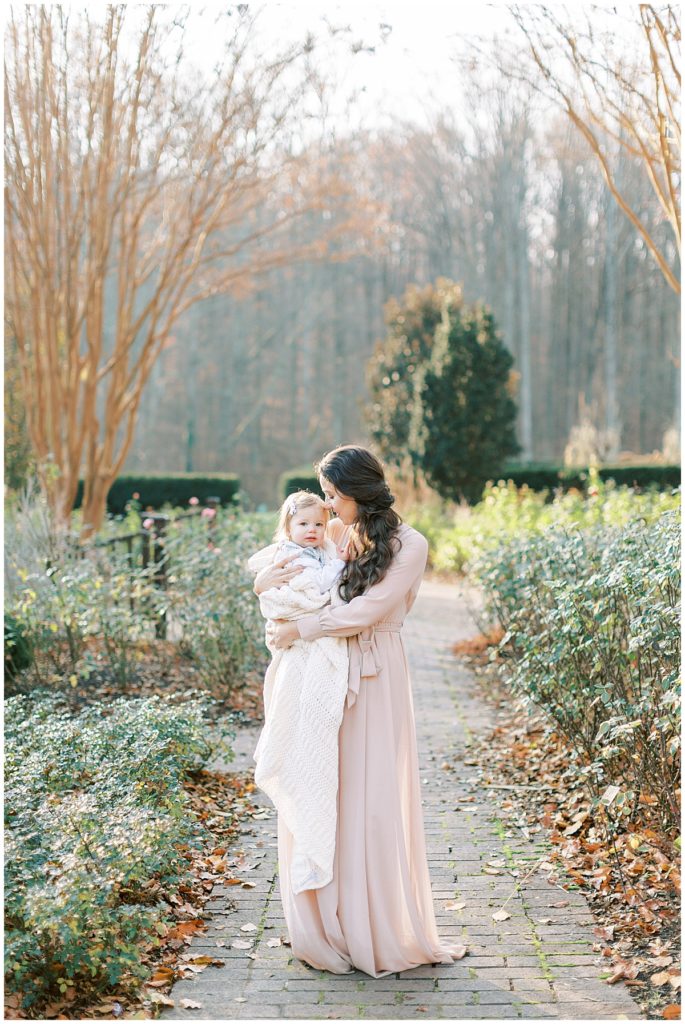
pixel 98 834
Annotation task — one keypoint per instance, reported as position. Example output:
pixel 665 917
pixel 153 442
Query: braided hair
pixel 356 473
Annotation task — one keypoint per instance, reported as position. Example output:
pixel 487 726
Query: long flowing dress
pixel 376 914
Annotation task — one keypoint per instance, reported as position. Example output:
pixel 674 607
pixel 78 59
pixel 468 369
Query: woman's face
pixel 344 508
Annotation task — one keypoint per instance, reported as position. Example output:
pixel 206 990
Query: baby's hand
pixel 344 552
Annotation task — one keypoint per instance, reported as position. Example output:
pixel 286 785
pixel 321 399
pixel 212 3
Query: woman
pixel 377 912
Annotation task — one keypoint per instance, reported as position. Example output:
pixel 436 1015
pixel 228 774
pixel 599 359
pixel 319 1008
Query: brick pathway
pixel 537 963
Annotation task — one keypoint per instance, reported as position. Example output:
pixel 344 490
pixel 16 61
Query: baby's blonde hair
pixel 293 504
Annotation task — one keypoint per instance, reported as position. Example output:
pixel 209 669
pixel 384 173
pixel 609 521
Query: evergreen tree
pixel 411 325
pixel 463 415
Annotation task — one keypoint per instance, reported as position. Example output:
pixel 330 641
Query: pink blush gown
pixel 377 912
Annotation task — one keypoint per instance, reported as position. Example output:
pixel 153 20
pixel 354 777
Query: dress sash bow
pixel 365 662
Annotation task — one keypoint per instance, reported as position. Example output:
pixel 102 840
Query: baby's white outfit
pixel 321 567
pixel 304 697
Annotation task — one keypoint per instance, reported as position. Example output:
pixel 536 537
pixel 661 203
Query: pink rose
pixel 193 501
pixel 208 513
pixel 148 524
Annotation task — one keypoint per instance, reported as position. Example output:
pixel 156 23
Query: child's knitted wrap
pixel 297 752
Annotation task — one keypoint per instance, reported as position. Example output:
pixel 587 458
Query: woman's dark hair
pixel 356 473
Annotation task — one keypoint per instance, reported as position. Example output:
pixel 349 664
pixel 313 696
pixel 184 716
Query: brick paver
pixel 537 963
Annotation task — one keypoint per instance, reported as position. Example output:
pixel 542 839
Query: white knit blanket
pixel 297 752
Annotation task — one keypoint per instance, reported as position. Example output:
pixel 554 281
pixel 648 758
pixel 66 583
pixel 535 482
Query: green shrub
pixel 591 619
pixel 175 489
pixel 304 479
pixel 18 650
pixel 87 612
pixel 507 511
pixel 210 600
pixel 97 826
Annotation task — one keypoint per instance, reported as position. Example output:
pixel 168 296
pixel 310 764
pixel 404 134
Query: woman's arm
pixel 373 606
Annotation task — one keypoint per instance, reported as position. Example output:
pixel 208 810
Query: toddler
pixel 301 531
pixel 296 758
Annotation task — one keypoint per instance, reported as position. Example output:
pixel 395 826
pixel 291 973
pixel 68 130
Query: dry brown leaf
pixel 248 927
pixel 454 905
pixel 159 997
pixel 671 1012
pixel 660 979
pixel 190 1004
pixel 501 915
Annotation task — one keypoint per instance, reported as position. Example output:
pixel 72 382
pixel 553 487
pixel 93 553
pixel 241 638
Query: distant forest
pixel 518 212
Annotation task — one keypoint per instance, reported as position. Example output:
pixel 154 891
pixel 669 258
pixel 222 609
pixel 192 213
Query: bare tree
pixel 137 186
pixel 618 101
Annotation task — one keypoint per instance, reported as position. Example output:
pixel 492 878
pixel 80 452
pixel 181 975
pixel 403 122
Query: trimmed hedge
pixel 541 476
pixel 157 489
pixel 302 479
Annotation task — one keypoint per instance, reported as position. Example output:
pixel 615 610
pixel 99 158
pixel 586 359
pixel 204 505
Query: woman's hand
pixel 276 575
pixel 282 634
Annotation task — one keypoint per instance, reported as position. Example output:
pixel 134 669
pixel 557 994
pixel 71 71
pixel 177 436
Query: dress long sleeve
pixel 379 600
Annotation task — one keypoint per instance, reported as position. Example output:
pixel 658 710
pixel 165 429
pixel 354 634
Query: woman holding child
pixel 376 912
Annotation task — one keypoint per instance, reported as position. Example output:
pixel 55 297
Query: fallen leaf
pixel 248 927
pixel 609 795
pixel 561 903
pixel 491 871
pixel 249 885
pixel 241 944
pixel 544 920
pixel 454 905
pixel 273 943
pixel 501 915
pixel 671 1012
pixel 159 997
pixel 660 979
pixel 185 928
pixel 190 1004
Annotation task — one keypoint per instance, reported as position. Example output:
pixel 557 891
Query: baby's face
pixel 308 526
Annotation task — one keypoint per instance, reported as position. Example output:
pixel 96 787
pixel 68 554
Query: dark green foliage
pixel 97 825
pixel 592 623
pixel 550 476
pixel 18 651
pixel 303 479
pixel 158 489
pixel 463 416
pixel 440 386
pixel 411 326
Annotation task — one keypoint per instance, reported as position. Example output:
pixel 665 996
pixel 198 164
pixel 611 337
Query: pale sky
pixel 411 68
pixel 411 58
